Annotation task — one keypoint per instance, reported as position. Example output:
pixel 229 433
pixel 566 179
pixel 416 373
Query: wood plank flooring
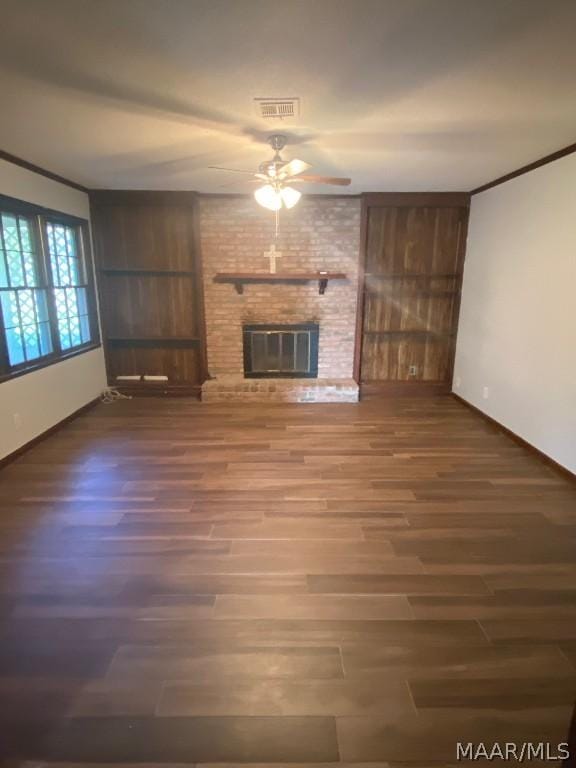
pixel 290 585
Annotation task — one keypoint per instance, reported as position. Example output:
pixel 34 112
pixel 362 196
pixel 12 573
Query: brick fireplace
pixel 321 234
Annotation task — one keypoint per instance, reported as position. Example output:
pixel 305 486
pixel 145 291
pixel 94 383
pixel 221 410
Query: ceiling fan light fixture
pixel 290 196
pixel 268 197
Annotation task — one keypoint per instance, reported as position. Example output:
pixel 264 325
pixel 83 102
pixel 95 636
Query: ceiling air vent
pixel 278 109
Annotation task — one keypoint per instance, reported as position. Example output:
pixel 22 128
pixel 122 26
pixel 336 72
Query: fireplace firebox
pixel 281 351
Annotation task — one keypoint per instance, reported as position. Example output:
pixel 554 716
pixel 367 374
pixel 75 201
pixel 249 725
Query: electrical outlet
pixel 413 370
pixel 485 393
pixel 17 420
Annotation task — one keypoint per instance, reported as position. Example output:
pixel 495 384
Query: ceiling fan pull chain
pixel 277 224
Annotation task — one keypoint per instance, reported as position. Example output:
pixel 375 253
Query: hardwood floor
pixel 291 584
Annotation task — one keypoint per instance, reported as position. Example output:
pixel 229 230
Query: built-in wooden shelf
pixel 126 271
pixel 413 293
pixel 410 332
pixel 412 276
pixel 153 341
pixel 240 279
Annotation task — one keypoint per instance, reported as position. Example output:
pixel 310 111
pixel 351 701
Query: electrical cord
pixel 110 395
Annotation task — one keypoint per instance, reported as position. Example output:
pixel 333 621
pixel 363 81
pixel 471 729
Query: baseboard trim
pixel 378 389
pixel 517 439
pixel 157 389
pixel 50 431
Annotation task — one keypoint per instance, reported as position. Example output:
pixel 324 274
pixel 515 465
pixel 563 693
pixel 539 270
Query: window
pixel 24 308
pixel 70 287
pixel 47 305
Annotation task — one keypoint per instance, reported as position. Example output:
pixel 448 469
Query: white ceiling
pixel 398 94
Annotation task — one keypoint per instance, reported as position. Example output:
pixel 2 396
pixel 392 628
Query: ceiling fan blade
pixel 292 168
pixel 236 183
pixel 231 170
pixel 336 180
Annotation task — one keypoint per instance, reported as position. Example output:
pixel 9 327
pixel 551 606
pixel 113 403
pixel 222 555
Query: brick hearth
pixel 230 387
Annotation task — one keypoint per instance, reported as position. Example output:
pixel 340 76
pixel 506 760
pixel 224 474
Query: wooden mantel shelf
pixel 240 279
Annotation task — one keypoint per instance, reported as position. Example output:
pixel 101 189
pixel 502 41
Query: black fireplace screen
pixel 281 351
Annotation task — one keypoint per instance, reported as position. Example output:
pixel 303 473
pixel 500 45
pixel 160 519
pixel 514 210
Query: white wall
pixel 517 330
pixel 43 398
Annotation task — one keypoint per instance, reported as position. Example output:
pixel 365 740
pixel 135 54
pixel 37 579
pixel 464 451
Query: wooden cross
pixel 272 254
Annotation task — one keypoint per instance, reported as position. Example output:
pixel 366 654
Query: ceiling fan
pixel 278 175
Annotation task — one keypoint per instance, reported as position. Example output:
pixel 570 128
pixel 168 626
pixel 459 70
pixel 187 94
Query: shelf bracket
pixel 322 283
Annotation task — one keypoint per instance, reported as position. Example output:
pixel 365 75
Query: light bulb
pixel 268 197
pixel 290 196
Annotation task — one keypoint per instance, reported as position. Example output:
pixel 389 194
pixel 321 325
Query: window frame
pixel 40 216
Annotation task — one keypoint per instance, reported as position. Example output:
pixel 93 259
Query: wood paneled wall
pixel 413 246
pixel 148 255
